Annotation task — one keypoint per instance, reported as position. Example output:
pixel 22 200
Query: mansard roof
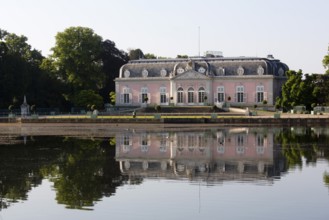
pixel 212 67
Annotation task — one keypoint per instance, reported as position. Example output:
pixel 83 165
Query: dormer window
pixel 163 72
pixel 221 71
pixel 126 73
pixel 281 72
pixel 145 73
pixel 201 70
pixel 260 70
pixel 240 71
pixel 180 70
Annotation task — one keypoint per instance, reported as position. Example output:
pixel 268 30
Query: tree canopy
pixel 77 58
pixel 136 54
pixel 20 74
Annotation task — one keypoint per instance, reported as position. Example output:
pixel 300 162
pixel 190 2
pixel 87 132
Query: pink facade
pixel 200 81
pixel 182 151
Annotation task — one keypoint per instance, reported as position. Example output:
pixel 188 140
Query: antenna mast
pixel 199 39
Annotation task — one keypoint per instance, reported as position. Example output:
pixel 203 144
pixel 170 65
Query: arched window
pixel 201 95
pixel 190 95
pixel 180 95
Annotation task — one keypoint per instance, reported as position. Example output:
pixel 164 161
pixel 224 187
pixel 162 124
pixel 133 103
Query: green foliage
pixel 77 58
pixel 112 97
pixel 149 56
pixel 87 98
pixel 157 108
pixel 182 56
pixel 326 178
pixel 298 90
pixel 20 74
pixel 112 59
pixel 136 54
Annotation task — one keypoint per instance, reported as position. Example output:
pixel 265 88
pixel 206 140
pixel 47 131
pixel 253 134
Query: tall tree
pixel 136 54
pixel 149 56
pixel 21 75
pixel 77 58
pixel 112 59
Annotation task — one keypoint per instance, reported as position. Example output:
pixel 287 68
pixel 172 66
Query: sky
pixel 294 31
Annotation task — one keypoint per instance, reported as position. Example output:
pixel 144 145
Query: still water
pixel 214 173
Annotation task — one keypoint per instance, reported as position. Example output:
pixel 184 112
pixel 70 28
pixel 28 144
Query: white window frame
pixel 180 95
pixel 240 95
pixel 201 95
pixel 163 95
pixel 260 94
pixel 144 93
pixel 190 95
pixel 220 94
pixel 126 96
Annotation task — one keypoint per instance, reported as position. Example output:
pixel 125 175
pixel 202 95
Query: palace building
pixel 197 81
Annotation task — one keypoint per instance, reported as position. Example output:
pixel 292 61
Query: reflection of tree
pixel 83 171
pixel 19 168
pixel 326 178
pixel 80 174
pixel 296 146
pixel 85 175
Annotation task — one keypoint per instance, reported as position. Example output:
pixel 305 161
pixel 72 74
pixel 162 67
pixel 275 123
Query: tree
pixel 77 58
pixel 291 92
pixel 88 98
pixel 20 74
pixel 149 56
pixel 182 56
pixel 136 54
pixel 112 97
pixel 325 62
pixel 112 59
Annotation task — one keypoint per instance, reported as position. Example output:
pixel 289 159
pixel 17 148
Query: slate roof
pixel 214 67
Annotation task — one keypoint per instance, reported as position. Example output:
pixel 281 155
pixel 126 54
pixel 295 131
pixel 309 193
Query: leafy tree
pixel 20 74
pixel 112 97
pixel 88 98
pixel 292 90
pixel 77 58
pixel 182 56
pixel 149 56
pixel 136 54
pixel 112 59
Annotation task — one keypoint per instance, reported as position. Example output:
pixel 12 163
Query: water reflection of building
pixel 214 155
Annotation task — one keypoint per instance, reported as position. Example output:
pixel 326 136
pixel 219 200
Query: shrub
pixel 157 108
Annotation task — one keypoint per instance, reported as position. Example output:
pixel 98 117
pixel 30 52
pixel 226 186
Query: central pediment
pixel 191 74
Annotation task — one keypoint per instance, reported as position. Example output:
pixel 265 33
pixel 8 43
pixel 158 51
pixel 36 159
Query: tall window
pixel 190 95
pixel 259 93
pixel 201 95
pixel 180 95
pixel 240 144
pixel 220 94
pixel 143 96
pixel 126 96
pixel 163 95
pixel 239 94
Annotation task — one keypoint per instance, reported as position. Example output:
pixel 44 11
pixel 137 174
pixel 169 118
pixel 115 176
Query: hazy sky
pixel 294 31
